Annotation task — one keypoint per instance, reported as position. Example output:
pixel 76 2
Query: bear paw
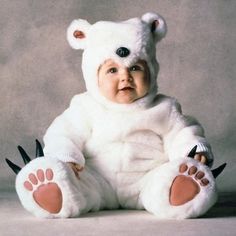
pixel 46 193
pixel 184 188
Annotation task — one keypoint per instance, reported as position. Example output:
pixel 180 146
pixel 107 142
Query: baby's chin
pixel 126 98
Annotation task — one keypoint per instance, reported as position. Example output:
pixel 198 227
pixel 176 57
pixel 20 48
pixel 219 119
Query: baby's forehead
pixel 112 62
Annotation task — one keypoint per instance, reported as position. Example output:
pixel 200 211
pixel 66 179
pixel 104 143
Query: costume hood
pixel 125 42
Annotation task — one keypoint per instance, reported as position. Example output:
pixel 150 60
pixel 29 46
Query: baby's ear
pixel 157 25
pixel 77 33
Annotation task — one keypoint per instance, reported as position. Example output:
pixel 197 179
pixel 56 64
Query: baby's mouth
pixel 127 88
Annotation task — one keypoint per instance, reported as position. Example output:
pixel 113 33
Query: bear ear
pixel 157 25
pixel 77 33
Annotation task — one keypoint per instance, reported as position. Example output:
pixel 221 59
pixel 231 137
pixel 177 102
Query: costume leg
pixel 179 189
pixel 48 188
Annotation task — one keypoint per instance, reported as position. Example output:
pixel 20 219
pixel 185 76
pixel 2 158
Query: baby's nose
pixel 125 75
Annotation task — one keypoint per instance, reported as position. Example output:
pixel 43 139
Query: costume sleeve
pixel 183 133
pixel 66 136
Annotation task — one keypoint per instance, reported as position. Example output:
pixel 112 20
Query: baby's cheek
pixel 108 90
pixel 143 89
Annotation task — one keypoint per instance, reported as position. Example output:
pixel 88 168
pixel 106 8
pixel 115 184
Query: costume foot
pixel 187 185
pixel 45 192
pixel 48 188
pixel 187 189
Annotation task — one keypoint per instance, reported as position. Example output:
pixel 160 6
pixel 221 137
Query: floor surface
pixel 14 220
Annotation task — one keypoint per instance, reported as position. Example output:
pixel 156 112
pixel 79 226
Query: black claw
pixel 39 149
pixel 218 170
pixel 14 167
pixel 24 155
pixel 193 152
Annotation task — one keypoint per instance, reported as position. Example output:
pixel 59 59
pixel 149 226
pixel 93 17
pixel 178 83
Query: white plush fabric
pixel 91 193
pixel 156 199
pixel 158 132
pixel 63 177
pixel 103 38
pixel 131 152
pixel 124 146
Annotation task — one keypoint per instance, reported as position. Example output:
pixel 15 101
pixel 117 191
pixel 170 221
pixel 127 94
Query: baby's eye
pixel 135 68
pixel 112 70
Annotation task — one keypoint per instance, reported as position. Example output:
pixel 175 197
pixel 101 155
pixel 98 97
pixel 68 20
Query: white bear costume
pixel 131 153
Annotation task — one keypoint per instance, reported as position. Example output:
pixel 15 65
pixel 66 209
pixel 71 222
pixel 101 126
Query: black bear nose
pixel 122 52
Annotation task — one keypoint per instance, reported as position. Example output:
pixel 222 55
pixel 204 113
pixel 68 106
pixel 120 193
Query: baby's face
pixel 121 84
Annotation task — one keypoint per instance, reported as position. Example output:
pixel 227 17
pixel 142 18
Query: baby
pixel 120 144
pixel 125 85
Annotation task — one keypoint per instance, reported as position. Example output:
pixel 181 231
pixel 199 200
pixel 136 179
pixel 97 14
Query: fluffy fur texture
pixel 91 193
pixel 103 38
pixel 156 199
pixel 131 152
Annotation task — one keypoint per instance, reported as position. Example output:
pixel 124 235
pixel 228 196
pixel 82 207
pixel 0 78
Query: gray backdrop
pixel 40 73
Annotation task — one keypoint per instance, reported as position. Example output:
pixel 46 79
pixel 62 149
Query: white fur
pixel 90 193
pixel 103 39
pixel 156 192
pixel 131 152
pixel 161 30
pixel 125 145
pixel 90 127
pixel 63 177
pixel 81 25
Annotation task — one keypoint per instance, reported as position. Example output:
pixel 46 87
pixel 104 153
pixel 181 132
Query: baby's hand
pixel 76 168
pixel 201 157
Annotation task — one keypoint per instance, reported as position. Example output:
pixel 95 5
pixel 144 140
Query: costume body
pixel 134 155
pixel 123 145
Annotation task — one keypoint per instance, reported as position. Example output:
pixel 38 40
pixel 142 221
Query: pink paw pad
pixel 184 188
pixel 198 175
pixel 46 195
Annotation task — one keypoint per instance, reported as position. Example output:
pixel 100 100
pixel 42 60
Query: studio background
pixel 40 73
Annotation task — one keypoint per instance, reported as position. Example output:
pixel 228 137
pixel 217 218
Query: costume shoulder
pixel 82 101
pixel 84 106
pixel 167 103
pixel 78 107
pixel 79 99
